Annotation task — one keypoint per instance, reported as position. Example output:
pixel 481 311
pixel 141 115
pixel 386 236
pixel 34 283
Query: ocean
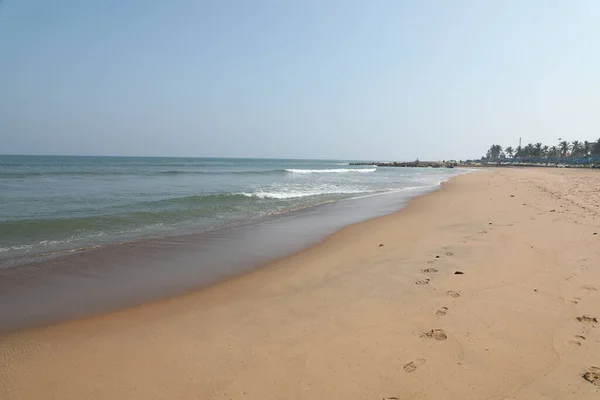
pixel 53 204
pixel 121 230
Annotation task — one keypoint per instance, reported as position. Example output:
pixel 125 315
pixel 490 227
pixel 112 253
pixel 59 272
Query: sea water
pixel 52 204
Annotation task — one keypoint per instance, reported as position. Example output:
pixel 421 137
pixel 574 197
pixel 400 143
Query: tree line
pixel 564 150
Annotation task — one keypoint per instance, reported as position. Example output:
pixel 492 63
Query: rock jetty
pixel 413 164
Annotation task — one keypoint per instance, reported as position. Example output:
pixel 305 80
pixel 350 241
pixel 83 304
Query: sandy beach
pixel 486 289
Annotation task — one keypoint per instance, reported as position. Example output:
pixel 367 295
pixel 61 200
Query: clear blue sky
pixel 303 79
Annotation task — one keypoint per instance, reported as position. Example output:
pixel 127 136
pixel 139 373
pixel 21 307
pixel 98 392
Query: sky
pixel 332 79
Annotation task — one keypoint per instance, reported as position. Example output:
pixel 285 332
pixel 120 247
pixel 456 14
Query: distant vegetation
pixel 574 152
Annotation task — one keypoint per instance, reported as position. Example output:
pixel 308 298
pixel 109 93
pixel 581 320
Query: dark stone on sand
pixel 489 223
pixel 552 210
pixel 437 256
pixel 458 273
pixel 380 245
pixel 535 290
pixel 512 195
pixel 595 233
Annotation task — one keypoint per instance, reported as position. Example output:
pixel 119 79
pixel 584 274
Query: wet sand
pixel 111 277
pixel 375 311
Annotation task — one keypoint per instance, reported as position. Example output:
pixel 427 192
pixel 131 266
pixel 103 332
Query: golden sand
pixel 375 311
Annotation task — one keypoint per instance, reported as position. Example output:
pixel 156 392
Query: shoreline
pixel 349 318
pixel 98 280
pixel 39 257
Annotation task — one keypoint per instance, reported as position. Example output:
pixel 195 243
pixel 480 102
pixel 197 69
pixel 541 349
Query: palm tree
pixel 545 151
pixel 576 148
pixel 495 152
pixel 534 152
pixel 519 151
pixel 564 148
pixel 529 150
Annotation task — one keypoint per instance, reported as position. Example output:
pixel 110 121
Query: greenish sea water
pixel 52 204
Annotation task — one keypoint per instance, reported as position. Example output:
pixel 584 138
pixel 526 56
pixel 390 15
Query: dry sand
pixel 351 319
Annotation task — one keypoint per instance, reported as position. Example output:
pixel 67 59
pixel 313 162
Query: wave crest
pixel 293 194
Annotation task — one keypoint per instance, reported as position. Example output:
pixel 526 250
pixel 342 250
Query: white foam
pixel 292 194
pixel 331 171
pixel 25 247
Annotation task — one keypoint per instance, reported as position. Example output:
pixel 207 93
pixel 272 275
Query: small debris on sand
pixel 592 376
pixel 588 319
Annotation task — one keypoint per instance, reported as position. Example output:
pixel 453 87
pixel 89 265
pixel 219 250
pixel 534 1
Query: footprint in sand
pixel 452 293
pixel 437 334
pixel 429 270
pixel 573 300
pixel 413 365
pixel 440 312
pixel 589 288
pixel 575 341
pixel 592 376
pixel 422 282
pixel 587 319
pixel 449 253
